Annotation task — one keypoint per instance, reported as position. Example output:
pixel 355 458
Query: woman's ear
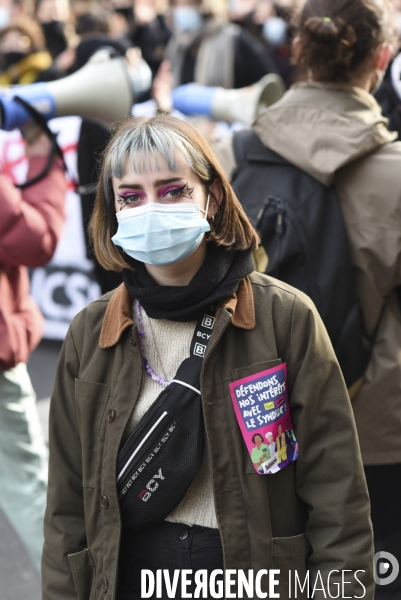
pixel 383 57
pixel 216 197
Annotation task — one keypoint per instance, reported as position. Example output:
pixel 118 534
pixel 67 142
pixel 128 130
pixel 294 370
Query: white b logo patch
pixel 199 349
pixel 208 322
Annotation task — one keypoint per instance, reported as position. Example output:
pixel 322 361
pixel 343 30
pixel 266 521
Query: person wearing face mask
pixel 149 467
pixel 53 15
pixel 273 20
pixel 209 50
pixel 331 127
pixel 23 57
pixel 150 31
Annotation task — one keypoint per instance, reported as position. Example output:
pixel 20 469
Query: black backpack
pixel 305 239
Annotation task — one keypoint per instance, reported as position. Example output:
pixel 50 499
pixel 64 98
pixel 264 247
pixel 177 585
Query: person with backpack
pixel 319 175
pixel 165 385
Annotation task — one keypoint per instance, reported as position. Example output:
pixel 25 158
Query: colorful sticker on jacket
pixel 263 413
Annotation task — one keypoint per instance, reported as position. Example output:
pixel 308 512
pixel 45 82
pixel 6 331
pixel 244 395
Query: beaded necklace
pixel 141 333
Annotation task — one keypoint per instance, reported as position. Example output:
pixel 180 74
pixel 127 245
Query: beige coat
pixel 337 133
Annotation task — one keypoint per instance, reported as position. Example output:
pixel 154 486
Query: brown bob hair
pixel 163 136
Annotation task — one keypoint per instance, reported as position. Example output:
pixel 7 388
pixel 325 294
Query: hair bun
pixel 334 37
pixel 322 31
pixel 337 37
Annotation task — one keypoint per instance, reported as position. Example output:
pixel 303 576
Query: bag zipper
pixel 151 437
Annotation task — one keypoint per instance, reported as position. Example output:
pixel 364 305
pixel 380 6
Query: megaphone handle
pixel 55 150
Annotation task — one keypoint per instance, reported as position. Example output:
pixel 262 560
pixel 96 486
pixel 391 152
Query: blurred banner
pixel 66 284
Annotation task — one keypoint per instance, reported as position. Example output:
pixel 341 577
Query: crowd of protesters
pixel 43 40
pixel 50 38
pixel 336 62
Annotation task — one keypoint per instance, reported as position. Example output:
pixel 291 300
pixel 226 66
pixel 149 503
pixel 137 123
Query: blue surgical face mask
pixel 187 18
pixel 275 31
pixel 161 234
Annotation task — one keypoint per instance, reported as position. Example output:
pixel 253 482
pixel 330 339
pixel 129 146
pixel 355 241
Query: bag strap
pixel 193 364
pixel 55 149
pixel 187 376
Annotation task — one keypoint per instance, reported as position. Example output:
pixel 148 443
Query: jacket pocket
pixel 91 400
pixel 83 574
pixel 253 369
pixel 289 554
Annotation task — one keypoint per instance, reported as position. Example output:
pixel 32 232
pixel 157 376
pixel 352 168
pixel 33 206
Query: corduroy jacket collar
pixel 118 315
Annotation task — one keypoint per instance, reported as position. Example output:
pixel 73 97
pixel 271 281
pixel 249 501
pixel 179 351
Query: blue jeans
pixel 23 460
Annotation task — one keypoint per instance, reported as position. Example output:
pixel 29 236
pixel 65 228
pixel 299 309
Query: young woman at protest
pixel 167 217
pixel 331 127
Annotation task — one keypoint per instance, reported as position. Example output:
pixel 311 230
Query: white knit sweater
pixel 166 345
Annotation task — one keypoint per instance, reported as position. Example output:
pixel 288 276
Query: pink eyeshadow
pixel 164 190
pixel 127 193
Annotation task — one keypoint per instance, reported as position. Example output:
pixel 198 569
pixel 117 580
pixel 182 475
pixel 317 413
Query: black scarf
pixel 217 278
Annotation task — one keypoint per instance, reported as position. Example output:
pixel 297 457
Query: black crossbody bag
pixel 162 455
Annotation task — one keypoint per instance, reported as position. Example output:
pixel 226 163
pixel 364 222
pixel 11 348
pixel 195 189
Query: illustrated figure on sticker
pixel 263 413
pixel 281 443
pixel 271 443
pixel 260 453
pixel 292 444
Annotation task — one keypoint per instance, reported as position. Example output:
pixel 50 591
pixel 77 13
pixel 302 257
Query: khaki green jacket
pixel 337 134
pixel 312 515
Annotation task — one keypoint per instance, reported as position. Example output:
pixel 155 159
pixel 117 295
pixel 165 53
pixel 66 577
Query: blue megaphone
pixel 103 90
pixel 241 105
pixel 14 115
